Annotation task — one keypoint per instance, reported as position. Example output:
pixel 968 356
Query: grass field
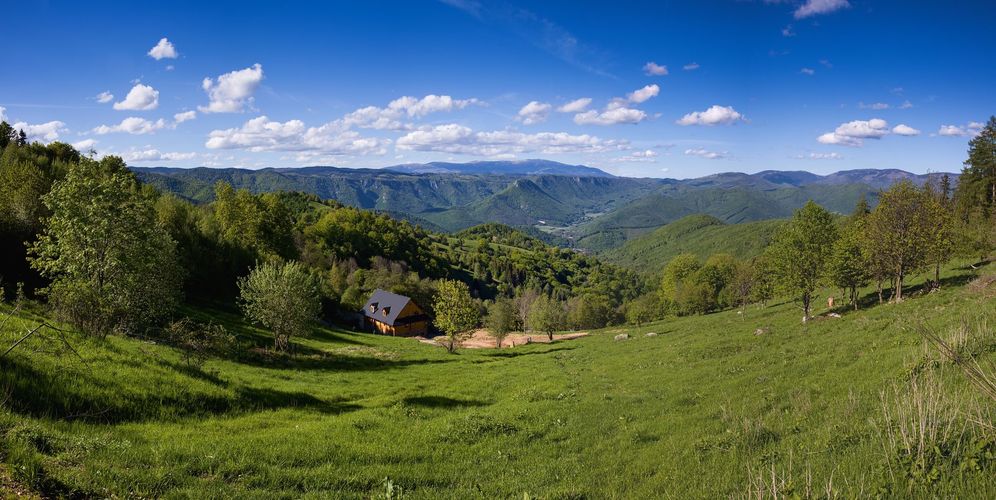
pixel 704 409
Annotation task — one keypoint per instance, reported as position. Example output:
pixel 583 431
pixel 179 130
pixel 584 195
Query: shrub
pixel 198 341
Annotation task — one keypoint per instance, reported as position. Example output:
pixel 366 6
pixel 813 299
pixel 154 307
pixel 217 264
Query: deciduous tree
pixel 800 252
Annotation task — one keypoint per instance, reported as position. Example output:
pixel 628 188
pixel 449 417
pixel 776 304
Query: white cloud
pixel 613 116
pixel 906 130
pixel 84 145
pixel 534 112
pixel 874 105
pixel 231 91
pixel 715 115
pixel 808 71
pixel 703 153
pixel 654 69
pixel 906 105
pixel 184 116
pixel 262 134
pixel 389 118
pixel 970 130
pixel 458 139
pixel 155 155
pixel 132 125
pixel 820 156
pixel 816 7
pixel 641 95
pixel 104 97
pixel 648 156
pixel 787 31
pixel 163 50
pixel 575 106
pixel 139 98
pixel 691 66
pixel 854 132
pixel 3 116
pixel 44 132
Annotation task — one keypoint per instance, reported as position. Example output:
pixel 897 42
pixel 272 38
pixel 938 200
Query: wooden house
pixel 392 314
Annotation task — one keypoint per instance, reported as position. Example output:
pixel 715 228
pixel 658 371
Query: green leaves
pixel 800 252
pixel 281 297
pixel 112 266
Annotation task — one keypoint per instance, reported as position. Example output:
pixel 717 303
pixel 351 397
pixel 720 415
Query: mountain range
pixel 587 207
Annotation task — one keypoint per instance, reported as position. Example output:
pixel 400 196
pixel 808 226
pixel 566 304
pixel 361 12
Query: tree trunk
pixel 880 291
pixel 899 287
pixel 937 275
pixel 550 334
pixel 805 307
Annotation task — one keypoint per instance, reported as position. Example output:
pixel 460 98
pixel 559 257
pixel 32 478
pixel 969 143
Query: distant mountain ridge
pixel 518 167
pixel 592 209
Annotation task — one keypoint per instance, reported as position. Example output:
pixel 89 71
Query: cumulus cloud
pixel 654 69
pixel 648 156
pixel 641 95
pixel 612 116
pixel 140 98
pixel 184 116
pixel 970 130
pixel 703 153
pixel 808 71
pixel 44 132
pixel 575 106
pixel 230 92
pixel 820 156
pixel 691 66
pixel 132 125
pixel 458 139
pixel 262 134
pixel 854 132
pixel 534 112
pixel 84 145
pixel 155 155
pixel 816 7
pixel 389 118
pixel 906 130
pixel 715 115
pixel 104 97
pixel 163 50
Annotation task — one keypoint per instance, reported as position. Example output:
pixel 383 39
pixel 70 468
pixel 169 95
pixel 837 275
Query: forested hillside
pixel 699 235
pixel 583 206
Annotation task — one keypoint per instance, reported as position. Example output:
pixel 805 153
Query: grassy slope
pixel 688 411
pixel 702 235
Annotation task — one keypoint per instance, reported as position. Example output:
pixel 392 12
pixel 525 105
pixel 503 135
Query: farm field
pixel 705 408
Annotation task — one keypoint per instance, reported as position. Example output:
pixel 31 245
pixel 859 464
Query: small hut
pixel 392 314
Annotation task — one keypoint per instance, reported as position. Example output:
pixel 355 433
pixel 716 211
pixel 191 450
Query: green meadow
pixel 706 408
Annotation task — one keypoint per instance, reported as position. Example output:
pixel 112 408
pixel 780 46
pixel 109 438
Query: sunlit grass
pixel 702 409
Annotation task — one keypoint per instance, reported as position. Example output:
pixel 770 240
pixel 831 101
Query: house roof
pixel 385 306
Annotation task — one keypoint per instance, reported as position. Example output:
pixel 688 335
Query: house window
pixel 373 307
pixel 387 310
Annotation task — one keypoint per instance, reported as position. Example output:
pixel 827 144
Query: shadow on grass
pixel 516 354
pixel 442 402
pixel 89 396
pixel 910 292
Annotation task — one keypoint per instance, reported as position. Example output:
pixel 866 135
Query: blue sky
pixel 657 89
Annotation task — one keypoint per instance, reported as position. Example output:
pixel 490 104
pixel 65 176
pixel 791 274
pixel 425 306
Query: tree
pixel 502 319
pixel 589 311
pixel 456 311
pixel 977 183
pixel 644 309
pixel 899 232
pixel 800 252
pixel 547 316
pixel 112 265
pixel 281 297
pixel 678 269
pixel 848 268
pixel 743 285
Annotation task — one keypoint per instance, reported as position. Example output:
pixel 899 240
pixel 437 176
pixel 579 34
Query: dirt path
pixel 480 339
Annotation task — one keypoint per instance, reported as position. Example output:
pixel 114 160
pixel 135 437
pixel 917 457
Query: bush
pixel 198 341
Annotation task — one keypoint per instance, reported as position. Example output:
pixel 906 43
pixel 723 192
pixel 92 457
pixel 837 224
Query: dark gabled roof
pixel 385 306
